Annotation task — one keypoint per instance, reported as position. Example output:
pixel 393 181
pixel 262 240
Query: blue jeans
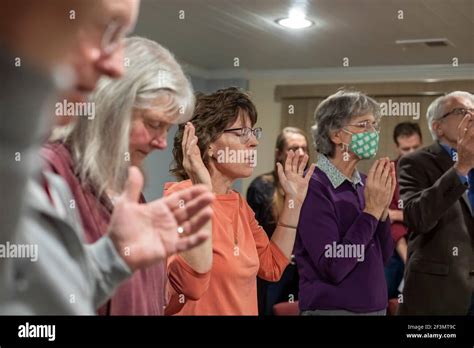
pixel 394 274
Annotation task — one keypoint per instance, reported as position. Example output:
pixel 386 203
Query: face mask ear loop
pixel 345 148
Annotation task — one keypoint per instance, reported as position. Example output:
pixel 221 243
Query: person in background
pixel 217 148
pixel 132 119
pixel 437 190
pixel 266 198
pixel 343 238
pixel 407 138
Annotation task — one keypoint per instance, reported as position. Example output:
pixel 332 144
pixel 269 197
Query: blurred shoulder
pixel 171 187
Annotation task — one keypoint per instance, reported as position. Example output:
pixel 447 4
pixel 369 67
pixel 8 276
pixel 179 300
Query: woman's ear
pixel 335 137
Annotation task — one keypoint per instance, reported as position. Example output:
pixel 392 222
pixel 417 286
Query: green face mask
pixel 365 145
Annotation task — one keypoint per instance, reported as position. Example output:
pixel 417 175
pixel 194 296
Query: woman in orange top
pixel 217 148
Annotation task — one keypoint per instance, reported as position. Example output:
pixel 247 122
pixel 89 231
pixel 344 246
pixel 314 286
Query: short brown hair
pixel 406 129
pixel 212 115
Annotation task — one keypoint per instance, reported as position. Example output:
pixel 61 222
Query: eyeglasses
pixel 107 36
pixel 366 125
pixel 459 112
pixel 245 133
pixel 113 36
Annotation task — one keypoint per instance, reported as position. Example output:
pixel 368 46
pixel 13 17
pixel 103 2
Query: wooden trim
pixel 374 89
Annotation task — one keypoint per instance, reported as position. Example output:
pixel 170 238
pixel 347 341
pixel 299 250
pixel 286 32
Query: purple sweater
pixel 340 250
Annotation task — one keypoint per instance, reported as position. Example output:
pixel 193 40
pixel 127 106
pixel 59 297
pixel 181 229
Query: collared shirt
pixel 332 231
pixel 335 175
pixel 452 152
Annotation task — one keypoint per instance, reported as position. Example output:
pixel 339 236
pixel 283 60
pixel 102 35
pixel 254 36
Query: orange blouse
pixel 241 251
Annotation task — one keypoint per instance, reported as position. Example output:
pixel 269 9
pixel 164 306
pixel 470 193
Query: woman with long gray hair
pixel 131 118
pixel 343 237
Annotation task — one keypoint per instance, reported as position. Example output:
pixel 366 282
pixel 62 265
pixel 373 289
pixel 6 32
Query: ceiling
pixel 214 32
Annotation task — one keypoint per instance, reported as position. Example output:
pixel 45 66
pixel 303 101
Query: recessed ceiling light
pixel 295 20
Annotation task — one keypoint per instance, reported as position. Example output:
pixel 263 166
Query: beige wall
pixel 269 118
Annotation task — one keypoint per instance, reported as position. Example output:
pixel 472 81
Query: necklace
pixel 235 223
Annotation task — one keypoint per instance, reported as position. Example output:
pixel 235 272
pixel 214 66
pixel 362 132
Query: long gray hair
pixel 100 146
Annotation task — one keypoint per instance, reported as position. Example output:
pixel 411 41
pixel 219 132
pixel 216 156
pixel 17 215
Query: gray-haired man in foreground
pixel 82 41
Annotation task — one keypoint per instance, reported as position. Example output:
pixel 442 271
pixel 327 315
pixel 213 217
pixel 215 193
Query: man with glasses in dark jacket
pixel 437 190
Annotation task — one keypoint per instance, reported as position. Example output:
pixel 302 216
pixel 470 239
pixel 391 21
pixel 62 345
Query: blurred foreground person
pixel 57 273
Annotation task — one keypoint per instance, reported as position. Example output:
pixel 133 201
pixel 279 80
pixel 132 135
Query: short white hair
pixel 153 79
pixel 437 108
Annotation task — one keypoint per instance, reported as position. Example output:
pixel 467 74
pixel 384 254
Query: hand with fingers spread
pixel 192 160
pixel 295 184
pixel 292 178
pixel 465 146
pixel 144 234
pixel 379 188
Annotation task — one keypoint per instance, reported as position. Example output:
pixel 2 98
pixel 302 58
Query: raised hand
pixel 379 187
pixel 292 178
pixel 192 160
pixel 144 234
pixel 393 183
pixel 465 146
pixel 392 186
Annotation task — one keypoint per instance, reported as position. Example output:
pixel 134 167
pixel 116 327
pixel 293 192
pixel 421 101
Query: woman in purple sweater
pixel 343 235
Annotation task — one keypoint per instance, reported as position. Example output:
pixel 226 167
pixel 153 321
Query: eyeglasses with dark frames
pixel 245 133
pixel 458 112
